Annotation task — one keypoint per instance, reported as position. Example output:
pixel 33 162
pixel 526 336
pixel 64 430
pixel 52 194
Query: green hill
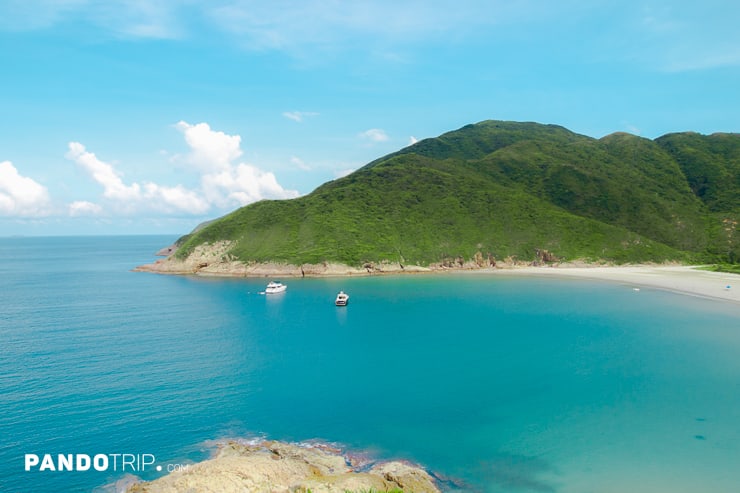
pixel 499 189
pixel 711 167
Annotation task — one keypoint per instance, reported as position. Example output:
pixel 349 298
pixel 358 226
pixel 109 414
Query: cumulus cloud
pixel 224 182
pixel 374 135
pixel 21 196
pixel 84 208
pixel 134 197
pixel 242 184
pixel 175 199
pixel 104 174
pixel 413 140
pixel 298 116
pixel 210 150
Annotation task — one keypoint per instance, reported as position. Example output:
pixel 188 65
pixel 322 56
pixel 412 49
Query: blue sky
pixel 132 116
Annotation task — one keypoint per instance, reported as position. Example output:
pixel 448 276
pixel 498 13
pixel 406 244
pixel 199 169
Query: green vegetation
pixel 711 167
pixel 504 189
pixel 731 268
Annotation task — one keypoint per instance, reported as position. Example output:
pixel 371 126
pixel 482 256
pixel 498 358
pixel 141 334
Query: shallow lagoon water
pixel 501 384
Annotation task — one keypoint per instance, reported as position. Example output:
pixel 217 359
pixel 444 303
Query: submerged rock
pixel 271 466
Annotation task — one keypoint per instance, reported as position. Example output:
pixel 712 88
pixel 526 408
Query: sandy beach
pixel 212 260
pixel 680 279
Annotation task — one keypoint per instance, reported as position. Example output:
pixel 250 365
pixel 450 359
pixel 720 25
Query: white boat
pixel 275 287
pixel 342 299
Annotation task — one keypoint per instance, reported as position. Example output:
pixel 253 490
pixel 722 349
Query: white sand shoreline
pixel 214 260
pixel 687 280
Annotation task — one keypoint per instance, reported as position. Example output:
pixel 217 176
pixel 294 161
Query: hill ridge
pixel 503 189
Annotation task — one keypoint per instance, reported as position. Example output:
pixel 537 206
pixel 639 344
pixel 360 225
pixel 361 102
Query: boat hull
pixel 275 288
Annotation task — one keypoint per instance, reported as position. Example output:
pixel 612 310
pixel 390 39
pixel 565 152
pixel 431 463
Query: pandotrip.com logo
pixel 133 463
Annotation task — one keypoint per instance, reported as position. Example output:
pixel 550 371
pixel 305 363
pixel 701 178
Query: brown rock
pixel 282 467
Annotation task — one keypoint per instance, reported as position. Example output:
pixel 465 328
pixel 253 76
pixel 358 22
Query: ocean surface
pixel 497 384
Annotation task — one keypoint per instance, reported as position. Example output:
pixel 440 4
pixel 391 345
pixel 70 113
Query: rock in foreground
pixel 280 467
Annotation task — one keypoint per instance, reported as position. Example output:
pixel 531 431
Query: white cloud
pixel 139 18
pixel 122 18
pixel 242 185
pixel 175 199
pixel 413 140
pixel 224 182
pixel 298 162
pixel 264 25
pixel 84 208
pixel 298 116
pixel 374 135
pixel 104 174
pixel 311 25
pixel 210 150
pixel 21 196
pixel 694 37
pixel 135 197
pixel 38 14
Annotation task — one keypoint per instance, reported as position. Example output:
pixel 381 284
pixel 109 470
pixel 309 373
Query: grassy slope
pixel 711 165
pixel 501 188
pixel 621 180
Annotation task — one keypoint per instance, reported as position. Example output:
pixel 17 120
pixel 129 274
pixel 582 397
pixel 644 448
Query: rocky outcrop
pixel 544 257
pixel 270 466
pixel 166 251
pixel 213 255
pixel 215 260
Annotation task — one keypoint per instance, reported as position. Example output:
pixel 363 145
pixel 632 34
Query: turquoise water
pixel 500 384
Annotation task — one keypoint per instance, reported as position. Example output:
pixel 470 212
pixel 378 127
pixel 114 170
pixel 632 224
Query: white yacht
pixel 275 287
pixel 342 299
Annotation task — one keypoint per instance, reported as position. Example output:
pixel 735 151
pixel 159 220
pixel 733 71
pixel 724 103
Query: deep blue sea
pixel 501 384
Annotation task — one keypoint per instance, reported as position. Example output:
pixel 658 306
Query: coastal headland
pixel 279 466
pixel 213 260
pixel 496 196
